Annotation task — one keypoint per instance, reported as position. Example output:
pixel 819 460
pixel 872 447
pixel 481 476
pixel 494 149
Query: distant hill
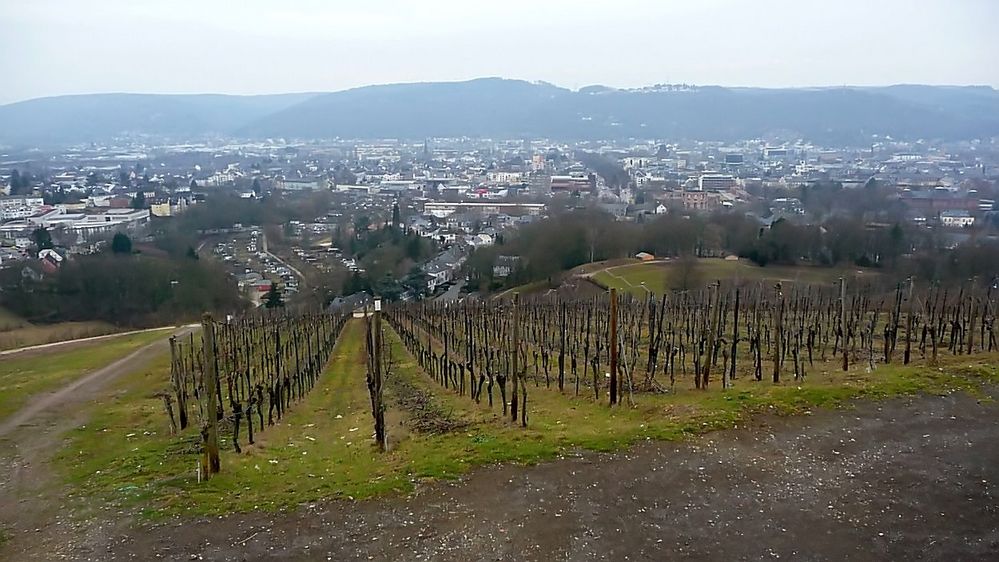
pixel 494 107
pixel 94 117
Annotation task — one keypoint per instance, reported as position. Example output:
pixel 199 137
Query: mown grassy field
pixel 38 372
pixel 16 332
pixel 544 285
pixel 324 447
pixel 537 287
pixel 658 277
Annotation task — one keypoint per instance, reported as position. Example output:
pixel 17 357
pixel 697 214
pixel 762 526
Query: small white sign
pixel 378 305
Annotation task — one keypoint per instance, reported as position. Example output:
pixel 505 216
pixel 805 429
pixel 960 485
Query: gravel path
pixel 29 501
pixel 899 480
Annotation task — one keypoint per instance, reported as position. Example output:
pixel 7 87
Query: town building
pixel 443 209
pixel 574 182
pixel 444 268
pixel 505 266
pixel 505 177
pixel 715 182
pixel 19 206
pixel 168 208
pixel 301 184
pixel 83 224
pixel 695 200
pixel 956 218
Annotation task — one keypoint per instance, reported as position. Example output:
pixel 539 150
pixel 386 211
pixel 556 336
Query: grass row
pixel 324 448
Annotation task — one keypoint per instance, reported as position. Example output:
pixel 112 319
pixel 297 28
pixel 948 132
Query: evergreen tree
pixel 361 224
pixel 356 284
pixel 121 243
pixel 139 201
pixel 417 282
pixel 20 184
pixel 42 238
pixel 414 248
pixel 15 182
pixel 273 299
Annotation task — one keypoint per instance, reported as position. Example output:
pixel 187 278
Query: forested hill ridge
pixel 100 117
pixel 494 107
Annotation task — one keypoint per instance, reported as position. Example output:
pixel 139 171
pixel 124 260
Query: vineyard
pixel 495 353
pixel 245 370
pixel 626 345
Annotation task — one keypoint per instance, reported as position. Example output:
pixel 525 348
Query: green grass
pixel 41 371
pixel 324 447
pixel 658 277
pixel 527 289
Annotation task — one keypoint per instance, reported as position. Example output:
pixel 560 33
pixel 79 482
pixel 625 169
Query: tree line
pixel 569 239
pixel 124 289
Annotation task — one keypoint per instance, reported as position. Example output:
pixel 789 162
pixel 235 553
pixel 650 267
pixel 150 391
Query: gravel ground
pixel 36 521
pixel 912 479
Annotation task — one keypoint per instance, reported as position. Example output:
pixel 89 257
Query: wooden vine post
pixel 377 395
pixel 778 330
pixel 844 327
pixel 714 312
pixel 613 346
pixel 229 371
pixel 515 363
pixel 728 376
pixel 210 433
pixel 177 378
pixel 908 327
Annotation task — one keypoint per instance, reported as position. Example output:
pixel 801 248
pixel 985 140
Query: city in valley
pixel 326 204
pixel 454 318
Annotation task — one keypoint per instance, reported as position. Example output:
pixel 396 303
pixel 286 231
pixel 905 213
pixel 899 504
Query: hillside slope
pixel 494 107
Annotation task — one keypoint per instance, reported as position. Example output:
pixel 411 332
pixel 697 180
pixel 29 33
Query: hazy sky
pixel 51 47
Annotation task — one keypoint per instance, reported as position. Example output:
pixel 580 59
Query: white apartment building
pixel 715 182
pixel 956 218
pixel 19 206
pixel 84 224
pixel 170 209
pixel 505 177
pixel 442 209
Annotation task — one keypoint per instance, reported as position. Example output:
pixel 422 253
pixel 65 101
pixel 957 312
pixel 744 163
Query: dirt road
pixel 29 500
pixel 899 480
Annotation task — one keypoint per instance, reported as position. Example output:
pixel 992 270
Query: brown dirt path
pixel 898 480
pixel 29 500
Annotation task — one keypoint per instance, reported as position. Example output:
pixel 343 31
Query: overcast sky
pixel 52 47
